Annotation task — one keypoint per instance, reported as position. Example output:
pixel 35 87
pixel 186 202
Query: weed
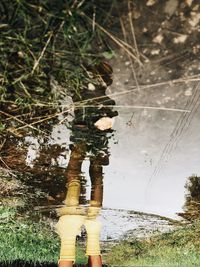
pixel 41 40
pixel 177 248
pixel 23 239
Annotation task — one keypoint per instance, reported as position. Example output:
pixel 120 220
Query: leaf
pixel 2 126
pixel 109 54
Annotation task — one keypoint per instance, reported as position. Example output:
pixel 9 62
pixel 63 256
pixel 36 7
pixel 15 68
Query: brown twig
pixel 131 48
pixel 136 107
pixel 42 53
pixel 45 119
pixel 25 90
pixel 7 167
pixel 79 104
pixel 133 32
pixel 20 121
pixel 2 144
pixel 192 78
pixel 132 67
pixel 116 40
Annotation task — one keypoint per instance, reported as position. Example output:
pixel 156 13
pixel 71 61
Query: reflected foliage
pixel 41 42
pixel 192 198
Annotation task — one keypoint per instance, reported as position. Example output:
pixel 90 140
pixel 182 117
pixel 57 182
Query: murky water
pixel 157 151
pixel 152 153
pixel 139 169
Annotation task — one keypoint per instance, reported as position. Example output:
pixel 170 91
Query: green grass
pixel 42 43
pixel 177 248
pixel 35 241
pixel 27 240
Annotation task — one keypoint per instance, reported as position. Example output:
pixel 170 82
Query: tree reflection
pixel 192 198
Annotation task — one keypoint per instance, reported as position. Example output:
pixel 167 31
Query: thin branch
pixel 142 87
pixel 83 103
pixel 94 20
pixel 20 121
pixel 136 107
pixel 25 90
pixel 132 67
pixel 2 144
pixel 116 40
pixel 42 54
pixel 7 167
pixel 131 48
pixel 192 78
pixel 133 31
pixel 7 170
pixel 45 119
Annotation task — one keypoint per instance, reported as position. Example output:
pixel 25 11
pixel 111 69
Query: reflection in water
pixel 91 129
pixel 192 199
pixel 90 132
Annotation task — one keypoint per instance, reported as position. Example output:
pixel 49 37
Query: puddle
pixel 151 157
pixel 125 147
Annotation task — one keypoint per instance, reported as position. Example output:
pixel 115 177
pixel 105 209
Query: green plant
pixel 24 239
pixel 44 46
pixel 179 247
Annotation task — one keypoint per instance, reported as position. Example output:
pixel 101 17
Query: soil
pixel 163 36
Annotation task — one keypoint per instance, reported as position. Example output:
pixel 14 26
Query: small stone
pixel 171 6
pixel 155 52
pixel 74 28
pixel 151 2
pixel 145 29
pixel 91 87
pixel 136 14
pixel 180 39
pixel 188 92
pixel 127 63
pixel 50 198
pixel 158 39
pixel 20 54
pixel 167 99
pixel 143 152
pixel 188 2
pixel 195 18
pixel 196 8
